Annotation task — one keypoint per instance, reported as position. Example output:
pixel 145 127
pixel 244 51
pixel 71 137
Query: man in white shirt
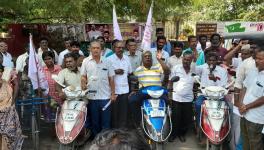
pixel 243 52
pixel 161 41
pixel 134 55
pixel 136 36
pixel 232 57
pixel 182 97
pixel 67 44
pixel 123 69
pixel 21 60
pixel 176 58
pixel 243 70
pixel 211 74
pixel 97 74
pixel 7 58
pixel 44 47
pixel 73 47
pixel 252 106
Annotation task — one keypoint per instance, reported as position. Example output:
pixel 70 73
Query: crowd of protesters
pixel 108 70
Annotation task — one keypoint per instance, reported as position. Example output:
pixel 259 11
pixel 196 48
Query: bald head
pixel 147 59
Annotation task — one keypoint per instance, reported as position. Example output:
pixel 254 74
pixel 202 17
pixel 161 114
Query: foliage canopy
pixel 76 11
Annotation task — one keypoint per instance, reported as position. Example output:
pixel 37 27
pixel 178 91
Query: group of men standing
pixel 107 72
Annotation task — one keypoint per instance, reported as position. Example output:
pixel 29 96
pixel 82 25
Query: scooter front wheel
pixel 210 146
pixel 216 147
pixel 159 146
pixel 35 132
pixel 155 145
pixel 71 146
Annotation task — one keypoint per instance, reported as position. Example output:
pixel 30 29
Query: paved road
pixel 48 141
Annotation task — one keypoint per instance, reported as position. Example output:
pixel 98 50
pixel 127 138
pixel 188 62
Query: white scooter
pixel 215 117
pixel 71 117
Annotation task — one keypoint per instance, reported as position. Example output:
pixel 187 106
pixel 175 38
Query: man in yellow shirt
pixel 148 75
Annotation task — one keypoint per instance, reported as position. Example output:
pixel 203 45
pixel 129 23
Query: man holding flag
pixel 35 71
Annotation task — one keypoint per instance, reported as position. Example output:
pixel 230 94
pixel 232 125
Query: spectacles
pixel 119 47
pixel 245 53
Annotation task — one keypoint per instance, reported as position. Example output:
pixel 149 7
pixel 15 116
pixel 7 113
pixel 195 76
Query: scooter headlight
pixel 215 92
pixel 156 93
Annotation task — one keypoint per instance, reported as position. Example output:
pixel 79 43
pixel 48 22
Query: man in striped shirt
pixel 148 75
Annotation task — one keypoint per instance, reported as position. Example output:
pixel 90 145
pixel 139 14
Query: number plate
pixel 216 115
pixel 157 113
pixel 69 117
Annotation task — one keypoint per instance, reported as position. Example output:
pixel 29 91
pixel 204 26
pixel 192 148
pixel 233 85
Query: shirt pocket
pixel 258 90
pixel 103 73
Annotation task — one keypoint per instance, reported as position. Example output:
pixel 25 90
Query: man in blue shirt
pixel 167 46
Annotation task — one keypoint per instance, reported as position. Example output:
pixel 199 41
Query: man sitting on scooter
pixel 71 76
pixel 211 74
pixel 147 75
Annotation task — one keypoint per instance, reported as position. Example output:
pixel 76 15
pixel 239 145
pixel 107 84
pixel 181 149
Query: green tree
pixel 227 10
pixel 73 11
pixel 62 11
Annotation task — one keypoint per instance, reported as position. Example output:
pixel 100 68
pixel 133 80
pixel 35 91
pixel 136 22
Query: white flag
pixel 146 41
pixel 35 71
pixel 117 32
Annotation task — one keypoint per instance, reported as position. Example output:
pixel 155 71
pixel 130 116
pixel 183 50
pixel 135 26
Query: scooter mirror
pixel 231 72
pixel 197 79
pixel 56 79
pixel 133 78
pixel 175 79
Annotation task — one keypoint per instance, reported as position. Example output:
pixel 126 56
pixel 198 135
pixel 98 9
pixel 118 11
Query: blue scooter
pixel 156 116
